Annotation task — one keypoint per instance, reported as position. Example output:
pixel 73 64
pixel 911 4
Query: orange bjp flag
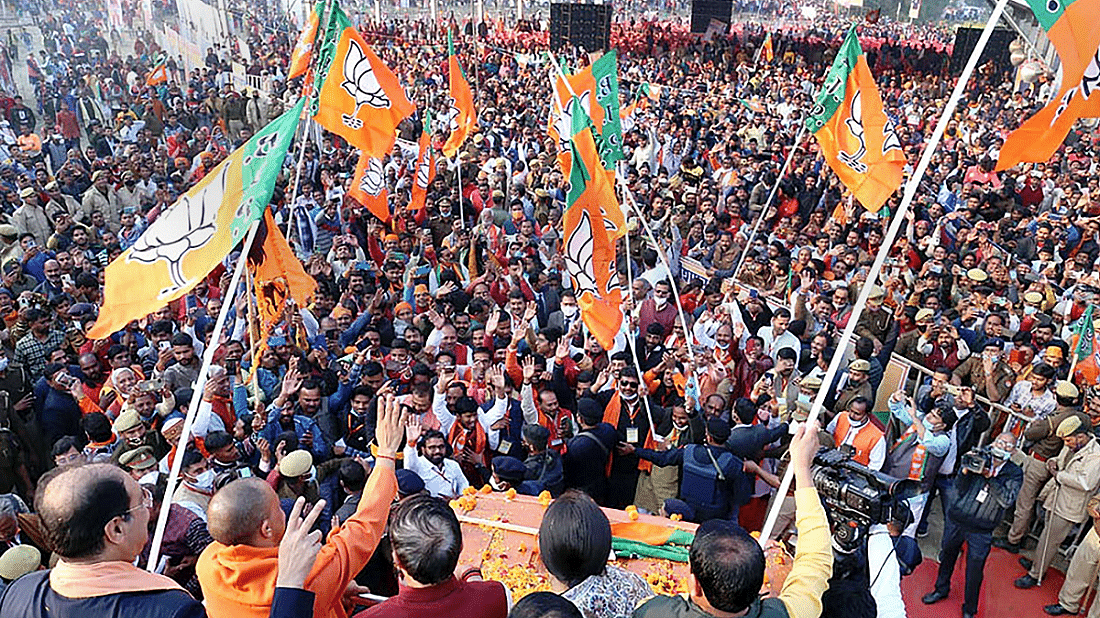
pixel 368 187
pixel 463 114
pixel 303 48
pixel 277 274
pixel 361 99
pixel 589 250
pixel 856 138
pixel 424 173
pixel 1071 27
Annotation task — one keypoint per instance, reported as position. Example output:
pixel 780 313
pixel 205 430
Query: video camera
pixel 855 497
pixel 981 460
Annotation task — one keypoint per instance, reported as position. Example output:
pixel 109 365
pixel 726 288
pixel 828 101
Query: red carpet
pixel 999 596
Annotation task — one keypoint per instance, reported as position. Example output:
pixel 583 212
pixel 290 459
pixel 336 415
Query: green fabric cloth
pixel 675 549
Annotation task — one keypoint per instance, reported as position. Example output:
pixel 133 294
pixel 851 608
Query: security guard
pixel 876 322
pixel 713 480
pixel 1045 444
pixel 1075 477
pixel 1082 570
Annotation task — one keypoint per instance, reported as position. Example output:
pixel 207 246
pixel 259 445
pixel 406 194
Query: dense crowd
pixel 445 349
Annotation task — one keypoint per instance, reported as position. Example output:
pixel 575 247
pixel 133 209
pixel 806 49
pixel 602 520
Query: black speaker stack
pixel 966 39
pixel 583 25
pixel 702 11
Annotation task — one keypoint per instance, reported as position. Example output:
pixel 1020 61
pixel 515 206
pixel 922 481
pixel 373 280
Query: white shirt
pixel 773 344
pixel 487 418
pixel 446 482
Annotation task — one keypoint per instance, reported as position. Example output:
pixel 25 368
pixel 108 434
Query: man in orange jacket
pixel 238 571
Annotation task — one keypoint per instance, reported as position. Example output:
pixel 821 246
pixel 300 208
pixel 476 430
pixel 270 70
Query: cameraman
pixel 727 565
pixel 981 503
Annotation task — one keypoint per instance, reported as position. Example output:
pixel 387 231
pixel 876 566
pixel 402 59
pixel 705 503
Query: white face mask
pixel 660 301
pixel 204 481
pixel 569 311
pixel 497 485
pixel 4 363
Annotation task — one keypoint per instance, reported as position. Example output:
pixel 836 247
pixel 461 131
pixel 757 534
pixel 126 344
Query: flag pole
pixel 200 385
pixel 767 204
pixel 887 244
pixel 311 74
pixel 660 254
pixel 254 331
pixel 632 343
pixel 458 172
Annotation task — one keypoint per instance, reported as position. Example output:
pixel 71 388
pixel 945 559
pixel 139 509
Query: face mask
pixel 928 424
pixel 629 397
pixel 204 482
pixel 497 485
pixel 722 346
pixel 1029 310
pixel 569 311
pixel 4 363
pixel 804 398
pixel 999 453
pixel 660 301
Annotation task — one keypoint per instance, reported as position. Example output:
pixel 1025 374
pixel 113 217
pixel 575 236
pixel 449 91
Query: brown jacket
pixel 1041 431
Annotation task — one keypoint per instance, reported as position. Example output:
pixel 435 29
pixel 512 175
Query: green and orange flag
pixel 463 115
pixel 159 74
pixel 598 83
pixel 855 136
pixel 191 237
pixel 1071 27
pixel 360 99
pixel 589 250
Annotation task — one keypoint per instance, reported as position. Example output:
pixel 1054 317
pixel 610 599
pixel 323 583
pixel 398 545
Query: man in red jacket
pixel 427 540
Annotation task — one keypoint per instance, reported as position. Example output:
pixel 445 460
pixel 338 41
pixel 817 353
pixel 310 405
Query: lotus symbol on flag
pixel 374 179
pixel 453 115
pixel 423 170
pixel 361 85
pixel 890 141
pixel 186 226
pixel 579 258
pixel 564 123
pixel 855 125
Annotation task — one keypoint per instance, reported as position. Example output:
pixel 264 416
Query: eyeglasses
pixel 146 502
pixel 628 384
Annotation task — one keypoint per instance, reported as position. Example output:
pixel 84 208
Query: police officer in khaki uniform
pixel 1075 477
pixel 1082 570
pixel 1045 445
pixel 876 322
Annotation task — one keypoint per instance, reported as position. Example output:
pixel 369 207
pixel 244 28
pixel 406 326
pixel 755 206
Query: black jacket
pixel 585 460
pixel 982 502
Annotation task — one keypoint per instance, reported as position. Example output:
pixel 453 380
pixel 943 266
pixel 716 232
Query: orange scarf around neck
pixel 100 579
